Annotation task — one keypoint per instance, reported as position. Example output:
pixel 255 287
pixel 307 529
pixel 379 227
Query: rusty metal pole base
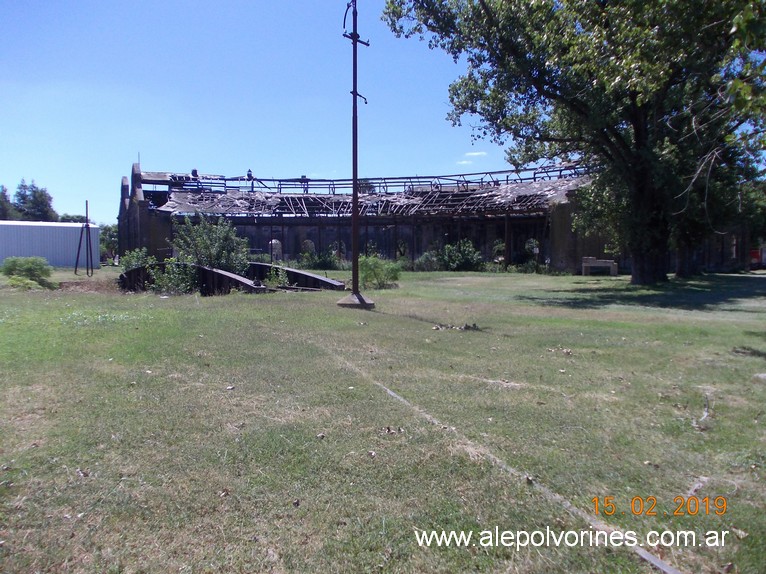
pixel 356 300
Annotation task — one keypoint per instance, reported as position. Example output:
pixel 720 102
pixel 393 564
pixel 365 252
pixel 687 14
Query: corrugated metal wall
pixel 57 242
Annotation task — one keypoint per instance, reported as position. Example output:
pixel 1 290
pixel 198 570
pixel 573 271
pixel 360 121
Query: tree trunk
pixel 649 232
pixel 686 264
pixel 649 268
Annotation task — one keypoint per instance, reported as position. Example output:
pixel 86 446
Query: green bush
pixel 136 258
pixel 496 267
pixel 211 244
pixel 429 261
pixel 307 246
pixel 405 263
pixel 22 283
pixel 34 269
pixel 327 260
pixel 461 256
pixel 174 279
pixel 530 266
pixel 377 273
pixel 276 277
pixel 177 278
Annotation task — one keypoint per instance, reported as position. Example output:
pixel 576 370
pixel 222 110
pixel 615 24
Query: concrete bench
pixel 589 262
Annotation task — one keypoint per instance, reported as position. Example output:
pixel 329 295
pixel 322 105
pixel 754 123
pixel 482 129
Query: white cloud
pixel 476 154
pixel 464 162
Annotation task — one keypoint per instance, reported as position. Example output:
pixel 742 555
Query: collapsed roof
pixel 493 193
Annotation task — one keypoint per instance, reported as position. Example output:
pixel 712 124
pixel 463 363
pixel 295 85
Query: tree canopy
pixel 7 211
pixel 661 98
pixel 108 239
pixel 34 203
pixel 73 218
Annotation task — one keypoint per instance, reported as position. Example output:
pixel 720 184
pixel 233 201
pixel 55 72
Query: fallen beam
pixel 296 277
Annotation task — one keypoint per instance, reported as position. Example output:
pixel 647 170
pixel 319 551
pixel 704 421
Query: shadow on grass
pixel 709 292
pixel 749 352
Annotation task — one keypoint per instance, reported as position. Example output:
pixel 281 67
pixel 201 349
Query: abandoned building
pixel 399 217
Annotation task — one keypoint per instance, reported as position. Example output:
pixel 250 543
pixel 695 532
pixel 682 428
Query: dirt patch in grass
pixel 109 286
pixel 29 411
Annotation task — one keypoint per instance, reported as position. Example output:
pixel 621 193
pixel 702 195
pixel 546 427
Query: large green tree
pixel 108 238
pixel 653 94
pixel 34 203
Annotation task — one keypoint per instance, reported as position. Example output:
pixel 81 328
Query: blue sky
pixel 87 86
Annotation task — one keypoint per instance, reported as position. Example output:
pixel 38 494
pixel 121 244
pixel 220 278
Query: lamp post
pixel 355 299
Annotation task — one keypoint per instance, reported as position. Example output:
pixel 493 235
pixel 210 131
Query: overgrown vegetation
pixel 27 272
pixel 277 277
pixel 108 241
pixel 206 243
pixel 376 272
pixel 174 277
pixel 460 256
pixel 136 258
pixel 211 244
pixel 327 260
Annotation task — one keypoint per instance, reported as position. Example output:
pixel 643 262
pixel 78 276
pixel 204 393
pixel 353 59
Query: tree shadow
pixel 704 293
pixel 749 352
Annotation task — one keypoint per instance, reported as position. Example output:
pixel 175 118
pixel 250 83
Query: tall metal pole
pixel 356 299
pixel 354 156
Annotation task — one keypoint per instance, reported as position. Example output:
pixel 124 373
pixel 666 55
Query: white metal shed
pixel 57 242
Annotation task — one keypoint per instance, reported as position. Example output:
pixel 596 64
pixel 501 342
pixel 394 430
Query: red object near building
pixel 757 258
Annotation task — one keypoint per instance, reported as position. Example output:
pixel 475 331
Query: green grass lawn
pixel 255 433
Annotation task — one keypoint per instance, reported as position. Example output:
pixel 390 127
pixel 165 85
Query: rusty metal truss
pixel 489 193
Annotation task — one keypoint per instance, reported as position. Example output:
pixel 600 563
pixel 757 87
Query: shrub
pixel 177 278
pixel 377 273
pixel 211 245
pixel 136 258
pixel 276 277
pixel 461 256
pixel 34 269
pixel 429 261
pixel 405 263
pixel 529 266
pixel 308 247
pixel 22 283
pixel 326 261
pixel 495 267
